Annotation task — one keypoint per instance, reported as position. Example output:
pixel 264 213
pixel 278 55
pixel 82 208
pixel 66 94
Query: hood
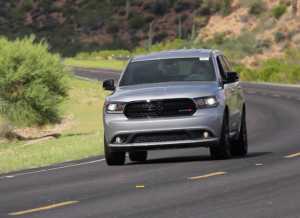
pixel 164 91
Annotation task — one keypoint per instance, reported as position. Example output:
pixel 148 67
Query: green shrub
pixel 33 82
pixel 146 6
pixel 26 6
pixel 256 7
pixel 279 36
pixel 112 28
pixel 148 19
pixel 278 11
pixel 205 11
pixel 122 12
pixel 159 8
pixel 218 38
pixel 182 17
pixel 159 37
pixel 136 22
pixel 285 2
pixel 247 74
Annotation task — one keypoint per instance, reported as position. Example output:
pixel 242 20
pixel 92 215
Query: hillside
pixel 269 37
pixel 73 26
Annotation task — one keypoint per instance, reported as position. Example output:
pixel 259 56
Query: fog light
pixel 118 139
pixel 205 134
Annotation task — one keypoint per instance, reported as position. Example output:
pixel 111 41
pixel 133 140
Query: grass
pixel 84 139
pixel 86 103
pixel 18 157
pixel 109 64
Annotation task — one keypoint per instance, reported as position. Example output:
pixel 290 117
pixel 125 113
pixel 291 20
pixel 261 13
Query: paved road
pixel 265 183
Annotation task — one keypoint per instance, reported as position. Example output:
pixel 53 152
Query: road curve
pixel 177 183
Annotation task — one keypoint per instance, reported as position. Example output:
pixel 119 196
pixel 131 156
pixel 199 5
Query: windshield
pixel 168 70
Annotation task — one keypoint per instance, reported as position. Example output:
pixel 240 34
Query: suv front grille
pixel 161 137
pixel 160 108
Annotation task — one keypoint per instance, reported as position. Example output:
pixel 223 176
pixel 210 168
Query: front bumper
pixel 203 120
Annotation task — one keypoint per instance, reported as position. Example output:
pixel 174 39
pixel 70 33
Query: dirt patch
pixel 31 133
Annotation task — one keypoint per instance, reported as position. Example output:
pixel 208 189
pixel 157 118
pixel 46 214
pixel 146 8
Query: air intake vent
pixel 161 137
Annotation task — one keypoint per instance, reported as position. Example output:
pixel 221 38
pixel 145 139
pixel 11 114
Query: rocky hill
pixel 73 26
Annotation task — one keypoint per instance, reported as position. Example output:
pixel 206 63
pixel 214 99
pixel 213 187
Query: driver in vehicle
pixel 198 72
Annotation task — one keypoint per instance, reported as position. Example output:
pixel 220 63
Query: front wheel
pixel 113 158
pixel 240 146
pixel 222 150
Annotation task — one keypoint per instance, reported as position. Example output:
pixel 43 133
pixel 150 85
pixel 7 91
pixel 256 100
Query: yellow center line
pixel 264 93
pixel 293 155
pixel 277 95
pixel 208 175
pixel 288 97
pixel 43 208
pixel 251 92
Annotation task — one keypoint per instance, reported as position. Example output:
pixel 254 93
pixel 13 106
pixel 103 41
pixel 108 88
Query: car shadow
pixel 198 158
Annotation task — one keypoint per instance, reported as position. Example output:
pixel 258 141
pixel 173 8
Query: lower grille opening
pixel 161 137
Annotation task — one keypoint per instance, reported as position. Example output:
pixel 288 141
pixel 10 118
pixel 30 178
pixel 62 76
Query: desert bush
pixel 159 8
pixel 159 37
pixel 148 19
pixel 33 82
pixel 181 6
pixel 136 21
pixel 285 2
pixel 122 12
pixel 218 38
pixel 112 28
pixel 278 11
pixel 203 21
pixel 256 7
pixel 279 36
pixel 146 6
pixel 205 11
pixel 26 5
pixel 156 29
pixel 296 39
pixel 246 74
pixel 182 17
pixel 135 38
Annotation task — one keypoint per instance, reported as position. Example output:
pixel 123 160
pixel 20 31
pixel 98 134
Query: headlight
pixel 207 102
pixel 115 107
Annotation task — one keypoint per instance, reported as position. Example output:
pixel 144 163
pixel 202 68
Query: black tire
pixel 138 155
pixel 222 151
pixel 240 146
pixel 113 158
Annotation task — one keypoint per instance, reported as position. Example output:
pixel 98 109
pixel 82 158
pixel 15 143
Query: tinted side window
pixel 224 64
pixel 221 68
pixel 227 63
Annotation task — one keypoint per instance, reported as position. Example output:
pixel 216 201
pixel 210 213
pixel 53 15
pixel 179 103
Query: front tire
pixel 222 151
pixel 138 155
pixel 113 158
pixel 240 146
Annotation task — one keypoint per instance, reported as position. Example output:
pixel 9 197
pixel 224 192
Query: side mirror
pixel 231 77
pixel 109 84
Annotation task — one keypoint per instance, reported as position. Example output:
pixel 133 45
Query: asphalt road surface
pixel 176 183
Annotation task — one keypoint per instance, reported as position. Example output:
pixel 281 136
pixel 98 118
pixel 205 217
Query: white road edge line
pixel 57 168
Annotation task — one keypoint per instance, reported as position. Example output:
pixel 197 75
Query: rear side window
pixel 168 70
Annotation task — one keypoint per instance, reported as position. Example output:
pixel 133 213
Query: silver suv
pixel 175 99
